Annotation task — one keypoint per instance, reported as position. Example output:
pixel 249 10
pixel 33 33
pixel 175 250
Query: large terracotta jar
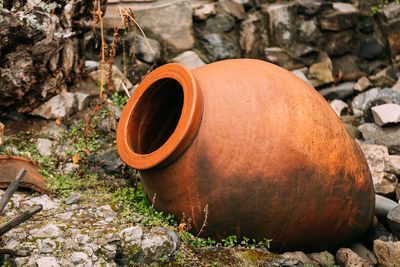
pixel 255 144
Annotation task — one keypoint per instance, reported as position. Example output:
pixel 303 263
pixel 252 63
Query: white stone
pixel 377 157
pixel 133 233
pixel 44 200
pixel 339 106
pixel 344 8
pixel 190 59
pixel 79 257
pixel 203 11
pixel 59 106
pixel 386 113
pixel 301 75
pixel 394 164
pixel 44 147
pixel 70 167
pixel 362 84
pixel 384 183
pixel 49 230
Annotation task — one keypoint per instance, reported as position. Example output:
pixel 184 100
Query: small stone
pixel 281 58
pixel 144 52
pixel 82 100
pixel 312 7
pixel 47 246
pixel 386 113
pixel 364 253
pixel 220 47
pixel 352 130
pixel 44 147
pixel 369 49
pixel 342 16
pixel 339 106
pixel 44 200
pixel 299 73
pixel 384 183
pixel 204 11
pixel 308 30
pixel 118 77
pixel 253 35
pixel 377 157
pixel 384 78
pixel 47 262
pixel 321 72
pixel 59 106
pixel 347 257
pixel 393 219
pixel 387 253
pixel 298 255
pixel 325 259
pixel 70 168
pixel 220 23
pixel 394 164
pixel 73 198
pixel 79 257
pixel 361 101
pixel 155 247
pixel 232 8
pixel 387 136
pixel 341 91
pixel 109 251
pixel 49 230
pixel 362 84
pixel 132 234
pixel 189 59
pixel 383 205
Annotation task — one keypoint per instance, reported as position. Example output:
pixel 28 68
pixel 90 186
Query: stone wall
pixel 328 41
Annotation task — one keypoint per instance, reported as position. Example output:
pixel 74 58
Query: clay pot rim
pixel 6 157
pixel 185 130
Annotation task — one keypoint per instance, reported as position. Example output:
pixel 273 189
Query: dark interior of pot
pixel 155 116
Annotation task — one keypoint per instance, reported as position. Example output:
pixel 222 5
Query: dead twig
pixel 19 219
pixel 205 220
pixel 11 189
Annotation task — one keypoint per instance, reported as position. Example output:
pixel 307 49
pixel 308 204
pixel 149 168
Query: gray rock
pixel 299 73
pixel 109 251
pixel 386 113
pixel 347 257
pixel 381 233
pixel 132 234
pixel 111 162
pixel 394 164
pixel 298 255
pixel 49 230
pixel 384 78
pixel 44 200
pixel 385 96
pixel 312 7
pixel 281 58
pixel 388 18
pixel 384 183
pixel 308 30
pixel 202 11
pixel 154 248
pixel 220 47
pixel 282 22
pixel 325 259
pixel 44 147
pixel 339 106
pixel 342 16
pixel 79 258
pixel 337 43
pixel 220 23
pixel 190 59
pixel 393 219
pixel 364 253
pixel 341 91
pixel 388 136
pixel 362 84
pixel 369 49
pixel 361 101
pixel 253 35
pixel 47 262
pixel 387 253
pixel 119 78
pixel 232 8
pixel 70 168
pixel 383 205
pixel 73 198
pixel 377 157
pixel 82 100
pixel 321 72
pixel 59 106
pixel 46 246
pixel 144 52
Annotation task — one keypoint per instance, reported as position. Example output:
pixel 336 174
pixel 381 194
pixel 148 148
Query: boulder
pixel 386 113
pixel 342 16
pixel 387 253
pixel 387 136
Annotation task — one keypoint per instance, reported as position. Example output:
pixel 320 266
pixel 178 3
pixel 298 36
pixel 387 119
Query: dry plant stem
pixel 11 189
pixel 205 220
pixel 20 219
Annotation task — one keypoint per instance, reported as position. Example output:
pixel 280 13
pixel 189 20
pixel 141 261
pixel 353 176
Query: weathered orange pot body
pixel 257 145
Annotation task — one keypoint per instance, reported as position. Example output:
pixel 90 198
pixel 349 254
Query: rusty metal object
pixel 9 167
pixel 255 143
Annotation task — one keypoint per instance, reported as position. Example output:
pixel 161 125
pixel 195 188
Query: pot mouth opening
pixel 161 118
pixel 155 116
